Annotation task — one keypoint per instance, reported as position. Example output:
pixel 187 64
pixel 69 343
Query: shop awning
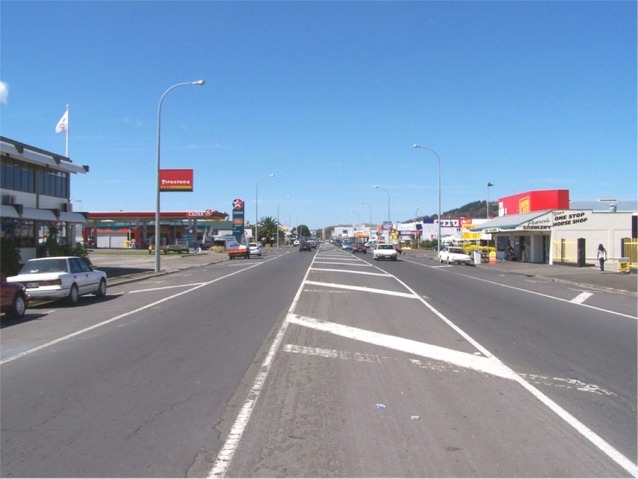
pixel 8 212
pixel 511 222
pixel 70 217
pixel 37 214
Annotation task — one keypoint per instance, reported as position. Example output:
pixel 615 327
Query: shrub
pixel 9 258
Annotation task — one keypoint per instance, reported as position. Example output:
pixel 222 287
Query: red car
pixel 398 248
pixel 14 299
pixel 359 248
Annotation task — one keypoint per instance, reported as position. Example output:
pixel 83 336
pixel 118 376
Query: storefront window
pixel 20 232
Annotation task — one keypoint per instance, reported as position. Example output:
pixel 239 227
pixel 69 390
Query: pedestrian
pixel 601 254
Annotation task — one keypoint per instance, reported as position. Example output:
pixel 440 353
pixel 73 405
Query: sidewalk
pixel 588 277
pixel 124 266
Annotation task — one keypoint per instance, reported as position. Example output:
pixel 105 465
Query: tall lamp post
pixel 438 242
pixel 487 204
pixel 257 206
pixel 157 184
pixel 389 221
pixel 370 224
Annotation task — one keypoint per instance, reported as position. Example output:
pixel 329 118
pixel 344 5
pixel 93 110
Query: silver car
pixel 61 277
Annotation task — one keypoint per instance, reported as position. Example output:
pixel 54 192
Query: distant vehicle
pixel 235 249
pixel 384 251
pixel 346 246
pixel 255 249
pixel 14 299
pixel 61 277
pixel 397 247
pixel 305 246
pixel 359 248
pixel 313 243
pixel 454 254
pixel 296 242
pixel 371 243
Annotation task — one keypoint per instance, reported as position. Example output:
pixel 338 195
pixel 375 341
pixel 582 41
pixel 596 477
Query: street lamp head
pixel 271 175
pixel 416 146
pixel 199 82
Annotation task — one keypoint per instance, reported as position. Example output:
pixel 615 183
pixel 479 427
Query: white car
pixel 61 277
pixel 255 249
pixel 384 251
pixel 454 254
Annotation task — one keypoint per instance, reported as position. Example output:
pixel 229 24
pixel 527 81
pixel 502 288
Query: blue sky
pixel 330 97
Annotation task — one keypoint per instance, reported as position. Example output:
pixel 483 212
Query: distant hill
pixel 476 209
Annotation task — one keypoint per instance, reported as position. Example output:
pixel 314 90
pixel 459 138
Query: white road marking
pixel 350 271
pixel 488 364
pixel 561 383
pixel 362 289
pixel 165 287
pixel 581 298
pixel 470 361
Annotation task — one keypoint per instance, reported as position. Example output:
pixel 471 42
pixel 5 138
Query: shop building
pixel 36 189
pixel 545 227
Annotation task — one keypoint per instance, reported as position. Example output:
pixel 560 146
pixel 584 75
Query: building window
pixel 20 232
pixel 17 176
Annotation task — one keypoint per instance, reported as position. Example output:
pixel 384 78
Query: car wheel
pixel 74 295
pixel 101 289
pixel 448 261
pixel 19 307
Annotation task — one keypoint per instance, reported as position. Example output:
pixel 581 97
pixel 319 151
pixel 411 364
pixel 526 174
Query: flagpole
pixel 67 131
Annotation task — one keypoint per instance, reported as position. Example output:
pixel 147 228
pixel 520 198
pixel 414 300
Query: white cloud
pixel 4 92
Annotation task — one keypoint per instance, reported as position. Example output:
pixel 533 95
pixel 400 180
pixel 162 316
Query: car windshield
pixel 386 246
pixel 52 265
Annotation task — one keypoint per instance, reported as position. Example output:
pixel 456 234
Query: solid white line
pixel 363 289
pixel 164 287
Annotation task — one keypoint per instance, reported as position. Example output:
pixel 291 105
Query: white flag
pixel 63 124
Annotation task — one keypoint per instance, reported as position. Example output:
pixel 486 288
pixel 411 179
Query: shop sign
pixel 238 218
pixel 176 180
pixel 543 223
pixel 569 218
pixel 208 212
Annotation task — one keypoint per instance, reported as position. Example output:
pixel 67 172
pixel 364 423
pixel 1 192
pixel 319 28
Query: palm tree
pixel 268 229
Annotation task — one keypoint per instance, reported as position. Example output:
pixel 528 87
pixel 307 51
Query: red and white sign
pixel 176 180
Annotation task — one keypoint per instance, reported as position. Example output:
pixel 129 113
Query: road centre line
pixel 531 292
pixel 363 289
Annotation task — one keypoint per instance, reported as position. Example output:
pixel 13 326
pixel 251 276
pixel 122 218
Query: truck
pixel 235 249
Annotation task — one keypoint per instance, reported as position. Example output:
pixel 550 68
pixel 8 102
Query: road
pixel 325 364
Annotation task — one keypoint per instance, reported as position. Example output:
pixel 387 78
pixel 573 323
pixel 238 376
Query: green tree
pixel 268 229
pixel 303 230
pixel 9 258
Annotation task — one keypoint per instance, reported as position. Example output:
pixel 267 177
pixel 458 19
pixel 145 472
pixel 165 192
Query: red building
pixel 538 200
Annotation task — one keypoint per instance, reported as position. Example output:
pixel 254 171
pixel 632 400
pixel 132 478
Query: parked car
pixel 346 246
pixel 255 249
pixel 384 251
pixel 305 246
pixel 359 248
pixel 454 254
pixel 14 299
pixel 61 277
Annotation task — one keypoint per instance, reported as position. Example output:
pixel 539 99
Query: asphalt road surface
pixel 323 365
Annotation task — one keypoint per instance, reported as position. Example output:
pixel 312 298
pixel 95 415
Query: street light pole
pixel 157 184
pixel 389 220
pixel 487 205
pixel 438 242
pixel 257 206
pixel 370 224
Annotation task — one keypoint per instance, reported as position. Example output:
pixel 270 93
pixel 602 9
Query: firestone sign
pixel 176 180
